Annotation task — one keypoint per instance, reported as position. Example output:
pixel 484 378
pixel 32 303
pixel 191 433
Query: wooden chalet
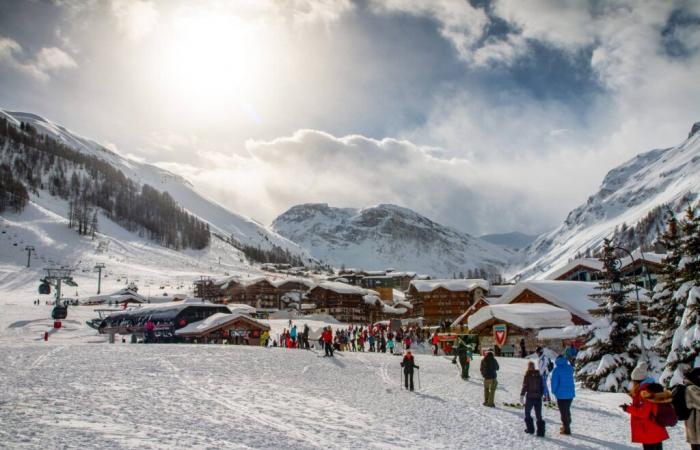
pixel 347 303
pixel 225 328
pixel 440 301
pixel 591 269
pixel 519 321
pixel 572 296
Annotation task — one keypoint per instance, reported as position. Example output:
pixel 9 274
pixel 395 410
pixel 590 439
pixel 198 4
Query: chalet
pixel 123 296
pixel 516 322
pixel 351 304
pixel 591 269
pixel 440 301
pixel 257 292
pixel 218 328
pixel 572 296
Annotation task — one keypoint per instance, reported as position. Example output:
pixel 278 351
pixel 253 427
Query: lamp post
pixel 99 267
pixel 617 286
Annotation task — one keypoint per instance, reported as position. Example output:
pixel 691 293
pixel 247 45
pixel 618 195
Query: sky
pixel 488 116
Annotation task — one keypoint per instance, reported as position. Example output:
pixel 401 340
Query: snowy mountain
pixel 386 236
pixel 44 208
pixel 633 195
pixel 515 240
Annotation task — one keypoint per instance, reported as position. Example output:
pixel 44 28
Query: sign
pixel 500 334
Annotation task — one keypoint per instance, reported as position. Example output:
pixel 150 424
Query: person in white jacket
pixel 692 401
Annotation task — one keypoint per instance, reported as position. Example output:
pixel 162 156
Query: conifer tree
pixel 606 360
pixel 685 347
pixel 665 310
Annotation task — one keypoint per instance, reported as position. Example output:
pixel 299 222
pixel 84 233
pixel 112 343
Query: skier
pixel 646 396
pixel 692 403
pixel 327 338
pixel 305 337
pixel 390 346
pixel 408 365
pixel 464 355
pixel 407 342
pixel 435 341
pixel 543 364
pixel 150 331
pixel 523 352
pixel 264 338
pixel 564 390
pixel 293 336
pixel 489 370
pixel 531 395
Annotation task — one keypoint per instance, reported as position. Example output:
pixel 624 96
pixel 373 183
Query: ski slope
pixel 77 391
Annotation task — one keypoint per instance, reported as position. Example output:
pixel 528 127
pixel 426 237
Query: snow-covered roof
pixel 573 296
pixel 398 295
pixel 523 315
pixel 305 281
pixel 214 321
pixel 497 290
pixel 590 263
pixel 342 288
pixel 570 332
pixel 450 285
pixel 458 321
pixel 119 296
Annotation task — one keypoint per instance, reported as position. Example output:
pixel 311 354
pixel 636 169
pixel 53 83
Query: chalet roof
pixel 119 296
pixel 305 281
pixel 469 310
pixel 534 316
pixel 459 285
pixel 343 288
pixel 573 296
pixel 215 321
pixel 164 311
pixel 593 264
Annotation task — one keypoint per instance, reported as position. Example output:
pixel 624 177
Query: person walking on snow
pixel 692 402
pixel 531 395
pixel 293 335
pixel 489 370
pixel 464 356
pixel 305 337
pixel 327 338
pixel 571 353
pixel 646 396
pixel 408 365
pixel 564 390
pixel 435 341
pixel 543 364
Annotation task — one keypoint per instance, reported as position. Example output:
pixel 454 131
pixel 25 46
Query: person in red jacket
pixel 327 338
pixel 646 396
pixel 435 341
pixel 408 365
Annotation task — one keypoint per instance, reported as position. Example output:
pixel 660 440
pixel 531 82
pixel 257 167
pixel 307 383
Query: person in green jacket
pixel 489 369
pixel 464 356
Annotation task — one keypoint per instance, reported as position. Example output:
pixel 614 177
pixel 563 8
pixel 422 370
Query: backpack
pixel 678 402
pixel 666 415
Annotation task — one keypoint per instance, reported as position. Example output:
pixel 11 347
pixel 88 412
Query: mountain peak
pixel 694 129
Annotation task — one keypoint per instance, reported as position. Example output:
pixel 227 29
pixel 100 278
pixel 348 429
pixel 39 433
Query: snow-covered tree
pixel 606 360
pixel 665 309
pixel 685 347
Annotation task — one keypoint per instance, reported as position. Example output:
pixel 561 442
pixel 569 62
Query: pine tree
pixel 665 310
pixel 685 347
pixel 607 358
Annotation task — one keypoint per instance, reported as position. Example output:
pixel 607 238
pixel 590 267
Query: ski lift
pixel 59 312
pixel 71 282
pixel 44 288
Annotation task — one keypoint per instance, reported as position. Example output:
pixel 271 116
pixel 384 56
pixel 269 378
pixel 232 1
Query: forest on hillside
pixel 33 162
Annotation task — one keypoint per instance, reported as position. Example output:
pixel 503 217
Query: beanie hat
pixel 640 371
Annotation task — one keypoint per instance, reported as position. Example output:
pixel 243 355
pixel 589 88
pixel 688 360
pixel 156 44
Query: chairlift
pixel 44 288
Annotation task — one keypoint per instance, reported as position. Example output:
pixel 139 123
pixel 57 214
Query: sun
pixel 214 62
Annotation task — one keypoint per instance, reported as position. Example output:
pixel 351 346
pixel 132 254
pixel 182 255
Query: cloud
pixel 47 60
pixel 313 166
pixel 135 18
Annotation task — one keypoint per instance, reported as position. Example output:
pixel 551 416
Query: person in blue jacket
pixel 564 390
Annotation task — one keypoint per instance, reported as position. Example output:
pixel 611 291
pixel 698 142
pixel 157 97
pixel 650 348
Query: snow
pixel 383 236
pixel 629 192
pixel 77 391
pixel 523 315
pixel 593 264
pixel 450 285
pixel 573 296
pixel 342 288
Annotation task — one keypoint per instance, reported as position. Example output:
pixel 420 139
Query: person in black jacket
pixel 408 365
pixel 531 394
pixel 489 369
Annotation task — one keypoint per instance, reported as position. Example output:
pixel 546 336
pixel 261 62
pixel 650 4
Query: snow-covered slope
pixel 514 239
pixel 628 194
pixel 385 236
pixel 221 220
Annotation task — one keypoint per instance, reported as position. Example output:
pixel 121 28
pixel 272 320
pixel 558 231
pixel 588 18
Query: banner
pixel 500 334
